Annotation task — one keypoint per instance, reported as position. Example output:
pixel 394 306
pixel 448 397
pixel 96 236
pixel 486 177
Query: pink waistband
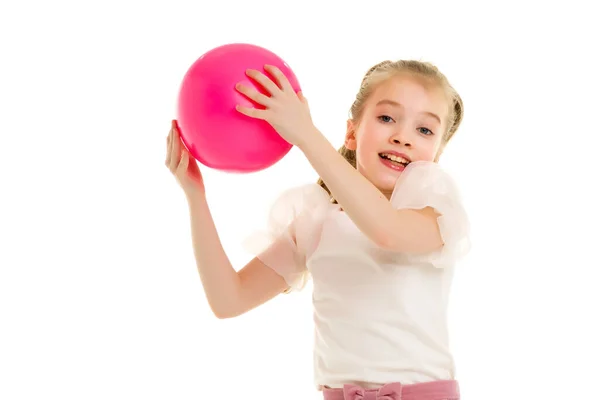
pixel 436 390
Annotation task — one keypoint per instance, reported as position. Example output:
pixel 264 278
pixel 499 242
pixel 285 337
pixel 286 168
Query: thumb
pixel 302 98
pixel 183 162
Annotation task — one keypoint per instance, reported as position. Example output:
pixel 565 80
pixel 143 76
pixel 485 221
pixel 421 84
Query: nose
pixel 401 137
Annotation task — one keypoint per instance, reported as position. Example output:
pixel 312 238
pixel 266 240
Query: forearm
pixel 220 280
pixel 366 205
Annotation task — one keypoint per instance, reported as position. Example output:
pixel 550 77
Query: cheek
pixel 427 149
pixel 364 142
pixel 367 145
pixel 365 148
pixel 371 135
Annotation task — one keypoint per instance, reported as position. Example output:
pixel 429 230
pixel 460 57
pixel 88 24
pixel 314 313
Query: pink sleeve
pixel 292 233
pixel 425 184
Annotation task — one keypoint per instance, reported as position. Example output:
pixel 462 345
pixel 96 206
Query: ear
pixel 350 142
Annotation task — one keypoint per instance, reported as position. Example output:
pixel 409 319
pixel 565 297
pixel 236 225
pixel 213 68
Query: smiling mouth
pixel 394 159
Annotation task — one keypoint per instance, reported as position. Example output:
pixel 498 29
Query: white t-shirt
pixel 380 316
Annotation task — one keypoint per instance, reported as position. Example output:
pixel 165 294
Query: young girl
pixel 380 233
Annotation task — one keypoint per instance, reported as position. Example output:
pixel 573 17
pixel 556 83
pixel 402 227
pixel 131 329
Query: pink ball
pixel 214 132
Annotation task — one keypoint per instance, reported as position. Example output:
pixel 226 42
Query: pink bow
pixel 391 391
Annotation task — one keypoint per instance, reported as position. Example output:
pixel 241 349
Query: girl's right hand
pixel 182 165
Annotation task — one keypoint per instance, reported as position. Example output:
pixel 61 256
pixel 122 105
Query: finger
pixel 252 112
pixel 184 161
pixel 281 80
pixel 302 98
pixel 169 147
pixel 253 94
pixel 264 81
pixel 176 150
pixel 168 153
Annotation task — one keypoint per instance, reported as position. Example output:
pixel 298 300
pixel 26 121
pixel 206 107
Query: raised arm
pixel 406 230
pixel 228 292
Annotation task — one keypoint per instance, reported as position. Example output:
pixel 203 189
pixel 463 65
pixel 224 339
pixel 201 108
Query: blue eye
pixel 425 131
pixel 385 119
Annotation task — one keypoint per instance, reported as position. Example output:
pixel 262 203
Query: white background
pixel 99 294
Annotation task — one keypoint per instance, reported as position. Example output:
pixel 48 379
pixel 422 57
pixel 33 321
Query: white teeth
pixel 392 157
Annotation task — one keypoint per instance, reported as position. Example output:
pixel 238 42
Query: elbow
pixel 410 244
pixel 390 243
pixel 389 239
pixel 225 304
pixel 225 311
pixel 415 232
pixel 220 314
pixel 224 314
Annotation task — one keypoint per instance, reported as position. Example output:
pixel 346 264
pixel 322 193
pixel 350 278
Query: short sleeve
pixel 292 233
pixel 425 184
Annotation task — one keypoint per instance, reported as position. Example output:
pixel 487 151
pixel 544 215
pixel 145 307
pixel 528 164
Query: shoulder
pixel 307 192
pixel 424 179
pixel 427 172
pixel 308 200
pixel 428 184
pixel 293 214
pixel 302 197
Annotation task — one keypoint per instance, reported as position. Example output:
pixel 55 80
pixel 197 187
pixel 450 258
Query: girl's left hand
pixel 285 110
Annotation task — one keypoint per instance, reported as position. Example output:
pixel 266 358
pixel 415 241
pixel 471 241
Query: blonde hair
pixel 385 70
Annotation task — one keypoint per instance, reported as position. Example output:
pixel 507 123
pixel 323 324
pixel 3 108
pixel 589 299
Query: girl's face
pixel 402 122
